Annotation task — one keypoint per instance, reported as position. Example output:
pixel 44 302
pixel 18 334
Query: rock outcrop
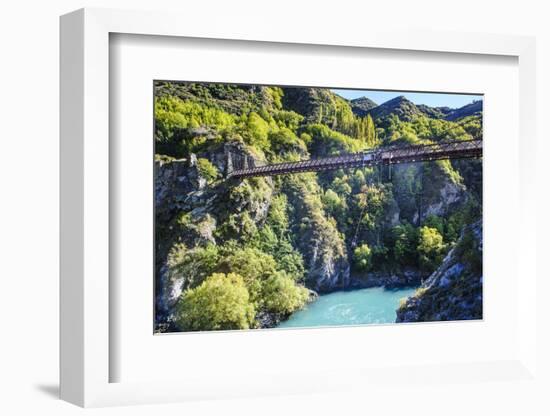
pixel 407 277
pixel 454 291
pixel 317 237
pixel 188 211
pixel 421 190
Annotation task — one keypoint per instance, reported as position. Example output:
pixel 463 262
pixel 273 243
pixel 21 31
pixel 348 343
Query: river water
pixel 356 307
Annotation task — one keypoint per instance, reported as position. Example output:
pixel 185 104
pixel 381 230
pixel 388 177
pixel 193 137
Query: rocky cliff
pixel 194 214
pixel 421 190
pixel 454 290
pixel 317 237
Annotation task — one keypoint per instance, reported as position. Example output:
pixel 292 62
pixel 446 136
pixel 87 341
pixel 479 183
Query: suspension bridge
pixel 244 166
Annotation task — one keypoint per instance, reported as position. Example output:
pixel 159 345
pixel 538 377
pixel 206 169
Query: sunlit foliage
pixel 430 248
pixel 207 170
pixel 362 257
pixel 220 302
pixel 281 295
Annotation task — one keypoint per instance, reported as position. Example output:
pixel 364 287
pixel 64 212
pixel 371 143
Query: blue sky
pixel 431 99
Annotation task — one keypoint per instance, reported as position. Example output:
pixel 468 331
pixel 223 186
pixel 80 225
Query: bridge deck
pixel 383 156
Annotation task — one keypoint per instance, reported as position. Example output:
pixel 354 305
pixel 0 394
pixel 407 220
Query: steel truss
pixel 246 166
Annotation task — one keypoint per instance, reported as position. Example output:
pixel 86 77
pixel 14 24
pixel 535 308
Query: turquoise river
pixel 355 307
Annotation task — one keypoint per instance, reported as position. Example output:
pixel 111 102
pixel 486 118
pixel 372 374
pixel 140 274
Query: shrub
pixel 433 221
pixel 288 119
pixel 207 170
pixel 327 142
pixel 220 302
pixel 379 256
pixel 402 303
pixel 290 261
pixel 284 140
pixel 276 94
pixel 172 114
pixel 469 252
pixel 447 168
pixel 193 265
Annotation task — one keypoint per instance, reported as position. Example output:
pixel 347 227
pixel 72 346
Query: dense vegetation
pixel 252 257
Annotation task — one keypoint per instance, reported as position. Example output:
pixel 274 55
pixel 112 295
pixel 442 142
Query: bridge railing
pixel 384 155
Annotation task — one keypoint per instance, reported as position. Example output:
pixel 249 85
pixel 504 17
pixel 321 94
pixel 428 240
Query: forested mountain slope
pixel 361 106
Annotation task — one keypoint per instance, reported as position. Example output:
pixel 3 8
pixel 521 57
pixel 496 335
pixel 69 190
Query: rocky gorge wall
pixel 455 290
pixel 182 193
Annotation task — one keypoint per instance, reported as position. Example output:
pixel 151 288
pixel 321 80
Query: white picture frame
pixel 85 221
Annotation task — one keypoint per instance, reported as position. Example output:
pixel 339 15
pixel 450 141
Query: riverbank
pixel 388 280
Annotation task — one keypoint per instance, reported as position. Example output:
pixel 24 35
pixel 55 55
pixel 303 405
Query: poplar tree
pixel 370 131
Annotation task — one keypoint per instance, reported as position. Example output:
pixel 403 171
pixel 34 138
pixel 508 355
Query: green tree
pixel 362 257
pixel 430 248
pixel 333 204
pixel 290 260
pixel 372 201
pixel 276 94
pixel 284 140
pixel 277 216
pixel 254 266
pixel 221 302
pixel 282 295
pixel 341 185
pixel 326 142
pixel 405 241
pixel 370 134
pixel 258 130
pixel 433 221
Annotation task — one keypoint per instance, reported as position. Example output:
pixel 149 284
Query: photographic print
pixel 304 207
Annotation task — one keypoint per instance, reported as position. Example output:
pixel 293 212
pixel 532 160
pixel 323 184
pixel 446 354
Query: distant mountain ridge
pixel 400 106
pixel 405 109
pixel 361 106
pixel 465 111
